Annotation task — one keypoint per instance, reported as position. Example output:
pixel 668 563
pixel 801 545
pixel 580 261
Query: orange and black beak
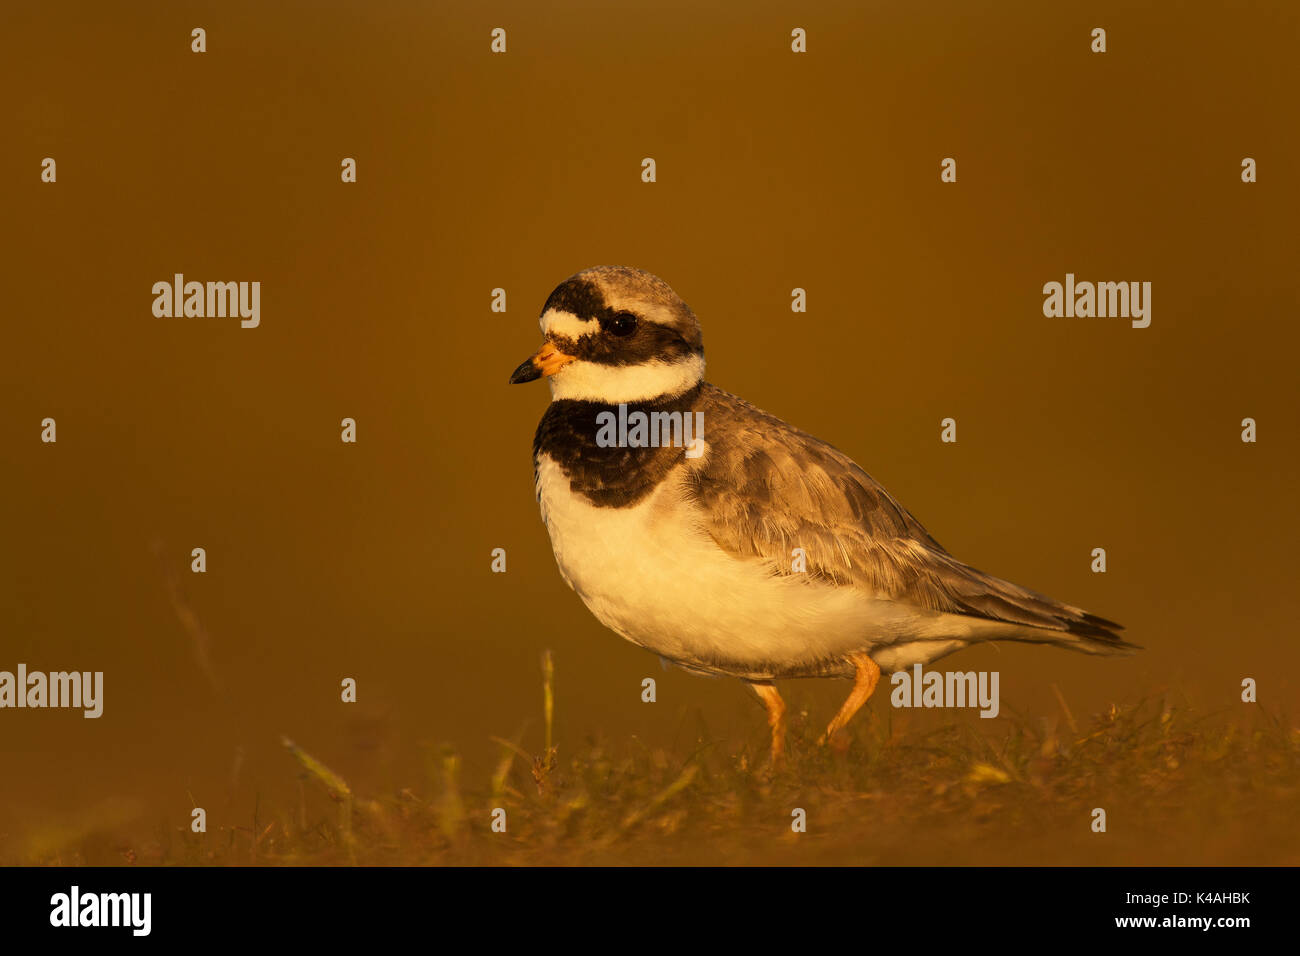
pixel 547 361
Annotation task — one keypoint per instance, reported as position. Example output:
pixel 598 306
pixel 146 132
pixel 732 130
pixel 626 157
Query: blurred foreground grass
pixel 1178 788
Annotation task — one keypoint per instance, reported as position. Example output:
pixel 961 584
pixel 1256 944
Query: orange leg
pixel 864 682
pixel 775 718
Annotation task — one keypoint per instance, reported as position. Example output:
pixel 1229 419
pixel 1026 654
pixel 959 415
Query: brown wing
pixel 769 488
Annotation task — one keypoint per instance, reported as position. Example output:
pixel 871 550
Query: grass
pixel 1178 787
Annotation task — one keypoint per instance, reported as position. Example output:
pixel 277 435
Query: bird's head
pixel 614 334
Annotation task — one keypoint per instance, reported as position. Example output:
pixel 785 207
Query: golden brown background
pixel 476 171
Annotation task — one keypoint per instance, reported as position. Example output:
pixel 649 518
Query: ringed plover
pixel 690 552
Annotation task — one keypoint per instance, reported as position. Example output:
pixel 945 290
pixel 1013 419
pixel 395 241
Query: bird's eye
pixel 620 324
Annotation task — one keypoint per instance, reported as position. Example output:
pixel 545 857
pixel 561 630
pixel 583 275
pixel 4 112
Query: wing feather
pixel 768 488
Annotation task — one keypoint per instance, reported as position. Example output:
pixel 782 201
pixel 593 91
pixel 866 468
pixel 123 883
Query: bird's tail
pixel 1092 635
pixel 1020 614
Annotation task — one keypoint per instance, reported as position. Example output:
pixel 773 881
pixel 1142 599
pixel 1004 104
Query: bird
pixel 748 549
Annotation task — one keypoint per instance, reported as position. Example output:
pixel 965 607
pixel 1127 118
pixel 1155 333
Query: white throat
pixel 612 384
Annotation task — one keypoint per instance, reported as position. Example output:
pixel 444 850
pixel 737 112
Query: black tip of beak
pixel 526 372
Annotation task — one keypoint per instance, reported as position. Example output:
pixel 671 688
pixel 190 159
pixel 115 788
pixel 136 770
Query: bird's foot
pixel 775 720
pixel 837 739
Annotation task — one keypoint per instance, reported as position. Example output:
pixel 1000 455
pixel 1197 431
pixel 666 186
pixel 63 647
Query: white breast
pixel 652 574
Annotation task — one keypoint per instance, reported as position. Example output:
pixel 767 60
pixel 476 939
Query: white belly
pixel 652 574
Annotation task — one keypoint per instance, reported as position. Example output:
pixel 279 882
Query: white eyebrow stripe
pixel 566 324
